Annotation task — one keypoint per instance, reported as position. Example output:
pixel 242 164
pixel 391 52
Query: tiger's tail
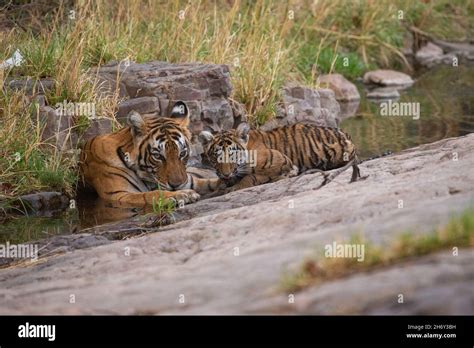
pixel 330 176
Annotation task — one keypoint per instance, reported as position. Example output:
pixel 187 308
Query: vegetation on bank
pixel 264 42
pixel 457 233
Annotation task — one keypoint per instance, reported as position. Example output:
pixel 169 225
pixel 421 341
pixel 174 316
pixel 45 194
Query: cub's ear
pixel 137 123
pixel 242 132
pixel 180 113
pixel 205 137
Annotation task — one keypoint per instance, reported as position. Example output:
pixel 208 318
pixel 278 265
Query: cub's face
pixel 161 148
pixel 225 152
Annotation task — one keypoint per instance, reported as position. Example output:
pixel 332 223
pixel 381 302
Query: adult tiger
pixel 144 162
pixel 282 152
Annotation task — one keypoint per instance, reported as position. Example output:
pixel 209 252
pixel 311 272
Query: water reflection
pixel 446 97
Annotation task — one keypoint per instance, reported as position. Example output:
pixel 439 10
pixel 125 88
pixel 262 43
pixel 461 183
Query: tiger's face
pixel 161 148
pixel 224 152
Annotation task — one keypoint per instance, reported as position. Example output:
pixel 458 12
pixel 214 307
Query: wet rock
pixel 97 126
pixel 303 104
pixel 387 78
pixel 43 203
pixel 143 105
pixel 275 227
pixel 204 87
pixel 383 93
pixel 343 88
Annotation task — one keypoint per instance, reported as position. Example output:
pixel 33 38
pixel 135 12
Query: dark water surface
pixel 446 98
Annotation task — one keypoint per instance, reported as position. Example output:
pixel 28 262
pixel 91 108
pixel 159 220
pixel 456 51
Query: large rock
pixel 42 203
pixel 60 128
pixel 229 254
pixel 305 105
pixel 343 88
pixel 387 78
pixel 204 87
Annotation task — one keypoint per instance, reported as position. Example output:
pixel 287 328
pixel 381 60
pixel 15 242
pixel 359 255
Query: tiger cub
pixel 243 157
pixel 144 162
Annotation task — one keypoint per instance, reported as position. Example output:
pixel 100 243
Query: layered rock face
pixel 305 105
pixel 152 87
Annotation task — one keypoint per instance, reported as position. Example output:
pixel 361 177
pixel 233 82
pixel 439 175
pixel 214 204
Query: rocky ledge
pixel 228 254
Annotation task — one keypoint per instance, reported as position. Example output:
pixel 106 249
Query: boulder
pixel 387 78
pixel 343 88
pixel 58 128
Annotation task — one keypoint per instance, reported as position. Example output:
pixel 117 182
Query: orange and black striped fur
pixel 282 152
pixel 144 162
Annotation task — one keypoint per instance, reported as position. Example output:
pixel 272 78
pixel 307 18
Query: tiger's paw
pixel 293 172
pixel 185 197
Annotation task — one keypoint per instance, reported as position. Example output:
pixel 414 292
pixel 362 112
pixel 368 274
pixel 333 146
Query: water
pixel 446 97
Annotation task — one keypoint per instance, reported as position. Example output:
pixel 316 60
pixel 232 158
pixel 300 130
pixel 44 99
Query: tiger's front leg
pixel 271 166
pixel 205 186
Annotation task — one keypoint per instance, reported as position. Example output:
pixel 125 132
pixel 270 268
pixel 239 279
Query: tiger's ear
pixel 180 113
pixel 137 123
pixel 242 132
pixel 205 137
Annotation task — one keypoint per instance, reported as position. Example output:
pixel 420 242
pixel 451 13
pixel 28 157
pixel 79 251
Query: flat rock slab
pixel 229 254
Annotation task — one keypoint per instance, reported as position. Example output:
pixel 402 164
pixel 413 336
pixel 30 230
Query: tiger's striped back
pixel 308 146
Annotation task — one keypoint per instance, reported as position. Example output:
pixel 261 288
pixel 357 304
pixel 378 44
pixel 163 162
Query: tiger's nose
pixel 174 186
